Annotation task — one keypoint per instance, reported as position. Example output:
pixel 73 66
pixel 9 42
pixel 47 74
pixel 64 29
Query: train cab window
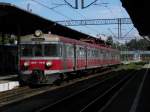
pixel 38 50
pixel 26 50
pixel 52 50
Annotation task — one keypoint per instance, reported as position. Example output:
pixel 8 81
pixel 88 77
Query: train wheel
pixel 58 82
pixel 22 83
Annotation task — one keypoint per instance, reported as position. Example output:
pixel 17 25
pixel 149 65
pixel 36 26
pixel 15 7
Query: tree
pixel 141 44
pixel 110 40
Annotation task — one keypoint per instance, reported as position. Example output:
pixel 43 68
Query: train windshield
pixel 26 50
pixel 38 50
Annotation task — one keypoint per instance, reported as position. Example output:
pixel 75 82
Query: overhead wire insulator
pixel 74 7
pixel 83 4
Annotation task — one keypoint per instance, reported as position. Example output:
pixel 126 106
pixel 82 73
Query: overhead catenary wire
pixel 85 17
pixel 127 24
pixel 52 9
pixel 87 26
pixel 111 11
pixel 75 7
pixel 84 26
pixel 83 5
pixel 128 32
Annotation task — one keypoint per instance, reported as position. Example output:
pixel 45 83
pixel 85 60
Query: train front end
pixel 40 59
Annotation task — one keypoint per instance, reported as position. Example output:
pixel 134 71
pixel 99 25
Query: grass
pixel 138 65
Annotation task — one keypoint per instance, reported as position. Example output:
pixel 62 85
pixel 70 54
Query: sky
pixel 57 10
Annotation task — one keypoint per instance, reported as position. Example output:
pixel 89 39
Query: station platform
pixel 5 77
pixel 8 82
pixel 130 61
pixel 146 66
pixel 134 96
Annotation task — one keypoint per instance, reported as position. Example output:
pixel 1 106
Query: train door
pixel 75 57
pixel 64 56
pixel 70 57
pixel 86 57
pixel 80 57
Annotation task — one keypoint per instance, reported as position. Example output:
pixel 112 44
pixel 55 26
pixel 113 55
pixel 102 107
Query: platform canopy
pixel 139 13
pixel 14 20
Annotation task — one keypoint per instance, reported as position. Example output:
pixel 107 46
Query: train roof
pixel 55 38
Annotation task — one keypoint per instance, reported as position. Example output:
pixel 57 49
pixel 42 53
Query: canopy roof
pixel 14 20
pixel 138 11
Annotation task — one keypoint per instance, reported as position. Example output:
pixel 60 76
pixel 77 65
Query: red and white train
pixel 46 58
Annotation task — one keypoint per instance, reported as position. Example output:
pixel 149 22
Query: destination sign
pixel 38 39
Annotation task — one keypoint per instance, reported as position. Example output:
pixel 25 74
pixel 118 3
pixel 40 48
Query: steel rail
pixel 126 80
pixel 26 92
pixel 74 94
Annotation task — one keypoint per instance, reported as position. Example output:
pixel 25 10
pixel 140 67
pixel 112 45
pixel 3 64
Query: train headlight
pixel 26 64
pixel 48 63
pixel 38 33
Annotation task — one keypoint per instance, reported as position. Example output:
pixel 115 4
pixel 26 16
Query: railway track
pixel 73 103
pixel 17 94
pixel 42 99
pixel 22 93
pixel 86 100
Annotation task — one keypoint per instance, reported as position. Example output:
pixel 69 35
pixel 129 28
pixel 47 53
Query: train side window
pixel 81 52
pixel 89 52
pixel 70 50
pixel 77 51
pixel 104 54
pixel 53 50
pixel 100 54
pixel 96 53
pixel 109 56
pixel 92 53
